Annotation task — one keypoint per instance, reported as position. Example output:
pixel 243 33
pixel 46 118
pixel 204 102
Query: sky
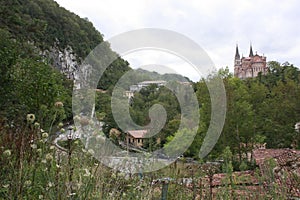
pixel 272 26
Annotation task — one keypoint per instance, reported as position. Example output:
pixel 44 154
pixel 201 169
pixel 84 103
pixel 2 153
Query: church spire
pixel 237 55
pixel 251 51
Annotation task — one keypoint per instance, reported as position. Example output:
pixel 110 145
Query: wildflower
pixel 87 172
pixel 39 151
pixel 41 196
pixel 59 104
pixel 33 146
pixel 42 141
pixel 27 183
pixel 84 121
pixel 30 118
pixel 6 186
pixel 7 153
pixel 52 147
pixel 42 130
pixel 91 151
pixel 76 142
pixel 36 125
pixel 60 125
pixel 76 118
pixel 49 157
pixel 45 135
pixel 62 130
pixel 50 184
pixel 44 161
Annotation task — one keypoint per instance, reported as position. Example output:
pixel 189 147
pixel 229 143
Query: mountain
pixel 41 48
pixel 60 36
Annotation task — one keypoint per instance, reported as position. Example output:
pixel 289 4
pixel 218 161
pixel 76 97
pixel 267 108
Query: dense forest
pixel 259 110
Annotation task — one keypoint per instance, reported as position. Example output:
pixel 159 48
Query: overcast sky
pixel 272 26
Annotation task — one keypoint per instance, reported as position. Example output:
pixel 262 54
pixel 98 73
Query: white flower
pixel 91 151
pixel 39 151
pixel 33 146
pixel 45 135
pixel 7 153
pixel 60 125
pixel 27 183
pixel 49 157
pixel 87 172
pixel 30 118
pixel 36 125
pixel 52 147
pixel 50 184
pixel 41 196
pixel 58 104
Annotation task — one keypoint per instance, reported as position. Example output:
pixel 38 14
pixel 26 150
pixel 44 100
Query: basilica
pixel 249 67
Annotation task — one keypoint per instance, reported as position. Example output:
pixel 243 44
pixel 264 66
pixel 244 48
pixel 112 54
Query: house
pixel 135 137
pixel 140 85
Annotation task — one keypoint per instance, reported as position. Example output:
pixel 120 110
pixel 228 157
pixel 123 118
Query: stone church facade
pixel 249 67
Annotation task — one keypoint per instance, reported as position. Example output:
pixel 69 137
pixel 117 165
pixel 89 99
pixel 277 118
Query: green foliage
pixel 45 23
pixel 263 109
pixel 28 84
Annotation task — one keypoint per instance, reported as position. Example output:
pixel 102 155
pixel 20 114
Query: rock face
pixel 64 60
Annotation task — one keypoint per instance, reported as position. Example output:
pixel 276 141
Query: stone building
pixel 249 67
pixel 136 137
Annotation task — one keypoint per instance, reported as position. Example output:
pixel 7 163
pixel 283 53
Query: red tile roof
pixel 137 133
pixel 261 155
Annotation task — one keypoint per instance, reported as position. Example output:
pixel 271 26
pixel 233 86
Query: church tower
pixel 251 51
pixel 249 67
pixel 237 61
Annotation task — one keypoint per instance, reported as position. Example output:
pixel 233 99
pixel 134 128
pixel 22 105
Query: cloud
pixel 272 26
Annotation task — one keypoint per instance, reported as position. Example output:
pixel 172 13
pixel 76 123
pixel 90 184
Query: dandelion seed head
pixel 7 153
pixel 49 157
pixel 59 104
pixel 36 125
pixel 30 118
pixel 91 151
pixel 27 183
pixel 45 135
pixel 60 125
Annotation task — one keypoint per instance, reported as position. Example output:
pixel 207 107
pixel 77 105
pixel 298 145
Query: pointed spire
pixel 237 55
pixel 251 51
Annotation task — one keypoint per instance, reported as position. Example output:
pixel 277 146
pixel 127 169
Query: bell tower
pixel 237 61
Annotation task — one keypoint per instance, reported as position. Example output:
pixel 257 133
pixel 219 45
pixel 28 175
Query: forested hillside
pixel 31 82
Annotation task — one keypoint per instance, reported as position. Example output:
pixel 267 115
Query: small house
pixel 135 137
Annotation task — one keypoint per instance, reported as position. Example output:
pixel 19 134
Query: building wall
pixel 249 67
pixel 138 142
